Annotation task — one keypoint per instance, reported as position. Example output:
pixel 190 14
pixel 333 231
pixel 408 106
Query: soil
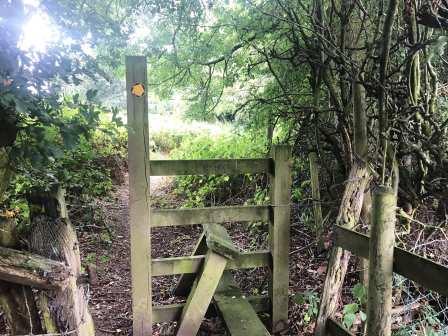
pixel 110 296
pixel 106 253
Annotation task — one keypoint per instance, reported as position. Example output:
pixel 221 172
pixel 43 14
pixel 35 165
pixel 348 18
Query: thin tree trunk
pixel 315 190
pixel 348 217
pixel 384 62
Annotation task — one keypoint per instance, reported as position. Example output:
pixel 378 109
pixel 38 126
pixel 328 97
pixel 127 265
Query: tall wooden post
pixel 139 204
pixel 279 235
pixel 381 256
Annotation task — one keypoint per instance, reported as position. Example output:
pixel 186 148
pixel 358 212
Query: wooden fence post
pixel 139 203
pixel 315 190
pixel 381 255
pixel 279 235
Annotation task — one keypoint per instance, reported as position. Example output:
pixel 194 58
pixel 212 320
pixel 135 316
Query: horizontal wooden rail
pixel 427 273
pixel 173 217
pixel 335 329
pixel 34 270
pixel 192 264
pixel 210 167
pixel 172 312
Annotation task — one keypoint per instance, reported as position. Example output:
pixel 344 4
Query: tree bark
pixel 315 189
pixel 384 62
pixel 29 269
pixel 16 300
pixel 348 217
pixel 54 237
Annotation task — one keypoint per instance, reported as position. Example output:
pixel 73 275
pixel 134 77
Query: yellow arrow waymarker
pixel 138 90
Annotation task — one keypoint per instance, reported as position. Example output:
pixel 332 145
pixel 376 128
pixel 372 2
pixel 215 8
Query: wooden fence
pixel 427 273
pixel 143 218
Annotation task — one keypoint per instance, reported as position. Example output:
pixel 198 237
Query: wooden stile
pixel 200 297
pixel 279 236
pixel 240 317
pixel 195 216
pixel 192 264
pixel 172 312
pixel 214 252
pixel 139 204
pixel 183 286
pixel 210 167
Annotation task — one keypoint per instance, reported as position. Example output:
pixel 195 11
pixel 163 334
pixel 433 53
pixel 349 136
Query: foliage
pixel 29 86
pixel 217 189
pixel 166 140
pixel 428 324
pixel 311 300
pixel 85 170
pixel 352 310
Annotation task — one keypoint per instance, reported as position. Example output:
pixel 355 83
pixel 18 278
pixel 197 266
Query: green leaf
pixel 351 308
pixel 299 298
pixel 359 292
pixel 348 320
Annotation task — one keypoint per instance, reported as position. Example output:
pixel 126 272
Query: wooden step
pixel 239 315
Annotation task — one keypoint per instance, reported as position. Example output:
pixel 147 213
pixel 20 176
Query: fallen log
pixel 33 270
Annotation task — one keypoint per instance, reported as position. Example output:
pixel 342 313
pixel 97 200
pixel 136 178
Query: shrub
pixel 86 170
pixel 219 189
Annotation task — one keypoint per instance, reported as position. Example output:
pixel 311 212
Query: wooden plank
pixel 239 316
pixel 183 286
pixel 210 167
pixel 139 204
pixel 195 216
pixel 169 312
pixel 355 242
pixel 34 270
pixel 172 312
pixel 200 298
pixel 279 236
pixel 333 328
pixel 427 273
pixel 219 241
pixel 192 264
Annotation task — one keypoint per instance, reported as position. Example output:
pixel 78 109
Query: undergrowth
pixel 220 189
pixel 86 171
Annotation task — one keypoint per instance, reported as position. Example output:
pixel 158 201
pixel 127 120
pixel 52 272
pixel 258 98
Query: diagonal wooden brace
pixel 201 296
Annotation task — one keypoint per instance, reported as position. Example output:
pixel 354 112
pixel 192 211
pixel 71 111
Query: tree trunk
pixel 315 189
pixel 16 300
pixel 348 217
pixel 54 237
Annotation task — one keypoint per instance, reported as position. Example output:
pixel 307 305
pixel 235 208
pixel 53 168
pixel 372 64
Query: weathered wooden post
pixel 381 256
pixel 279 235
pixel 315 191
pixel 63 309
pixel 139 204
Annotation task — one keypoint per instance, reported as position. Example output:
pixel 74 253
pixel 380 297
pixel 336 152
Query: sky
pixel 39 32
